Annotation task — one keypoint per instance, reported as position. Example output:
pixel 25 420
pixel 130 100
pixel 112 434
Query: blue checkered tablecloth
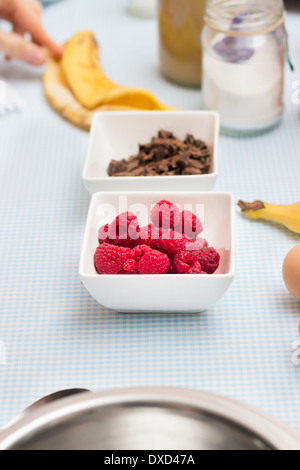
pixel 53 335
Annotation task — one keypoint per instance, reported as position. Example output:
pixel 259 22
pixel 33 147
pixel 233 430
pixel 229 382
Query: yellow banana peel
pixel 90 85
pixel 286 215
pixel 77 87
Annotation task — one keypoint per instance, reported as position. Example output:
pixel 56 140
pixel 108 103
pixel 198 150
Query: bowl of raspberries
pixel 158 252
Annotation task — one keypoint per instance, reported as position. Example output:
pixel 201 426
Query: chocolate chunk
pixel 162 168
pixel 189 140
pixel 191 171
pixel 132 166
pixel 149 172
pixel 134 158
pixel 145 148
pixel 182 161
pixel 121 174
pixel 172 163
pixel 165 155
pixel 162 134
pixel 160 153
pixel 195 164
pixel 116 167
pixel 136 172
pixel 200 144
pixel 147 158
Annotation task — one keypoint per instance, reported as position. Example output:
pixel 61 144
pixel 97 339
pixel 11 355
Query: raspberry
pixel 148 235
pixel 103 234
pixel 189 224
pixel 158 248
pixel 196 244
pixel 185 262
pixel 196 269
pixel 154 262
pixel 130 267
pixel 124 229
pixel 165 215
pixel 140 250
pixel 109 259
pixel 209 259
pixel 172 243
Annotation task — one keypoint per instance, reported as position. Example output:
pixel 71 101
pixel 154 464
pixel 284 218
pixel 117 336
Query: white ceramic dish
pixel 161 293
pixel 117 135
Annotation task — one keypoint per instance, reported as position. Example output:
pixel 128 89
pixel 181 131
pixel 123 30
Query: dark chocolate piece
pixel 166 155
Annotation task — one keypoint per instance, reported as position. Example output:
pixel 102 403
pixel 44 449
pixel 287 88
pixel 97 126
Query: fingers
pixel 17 30
pixel 37 7
pixel 21 32
pixel 15 46
pixel 27 15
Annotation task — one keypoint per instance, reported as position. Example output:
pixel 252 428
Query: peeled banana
pixel 286 215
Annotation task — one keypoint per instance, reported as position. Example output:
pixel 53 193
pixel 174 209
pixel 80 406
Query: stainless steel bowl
pixel 146 419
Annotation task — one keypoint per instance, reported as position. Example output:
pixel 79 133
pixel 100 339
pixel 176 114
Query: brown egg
pixel 291 272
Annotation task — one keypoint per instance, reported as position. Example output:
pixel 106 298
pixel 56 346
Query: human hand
pixel 25 17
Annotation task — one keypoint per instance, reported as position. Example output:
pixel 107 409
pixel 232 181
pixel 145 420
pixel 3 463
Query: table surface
pixel 53 335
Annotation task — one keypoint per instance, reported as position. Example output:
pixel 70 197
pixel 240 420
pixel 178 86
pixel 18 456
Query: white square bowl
pixel 117 135
pixel 177 293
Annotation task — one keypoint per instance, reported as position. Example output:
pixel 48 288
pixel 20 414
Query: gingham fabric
pixel 53 335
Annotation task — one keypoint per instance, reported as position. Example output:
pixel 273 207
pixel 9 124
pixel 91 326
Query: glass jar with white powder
pixel 244 55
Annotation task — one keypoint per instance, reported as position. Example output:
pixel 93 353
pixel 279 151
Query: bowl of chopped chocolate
pixel 152 150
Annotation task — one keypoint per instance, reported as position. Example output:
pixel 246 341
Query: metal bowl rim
pixel 267 428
